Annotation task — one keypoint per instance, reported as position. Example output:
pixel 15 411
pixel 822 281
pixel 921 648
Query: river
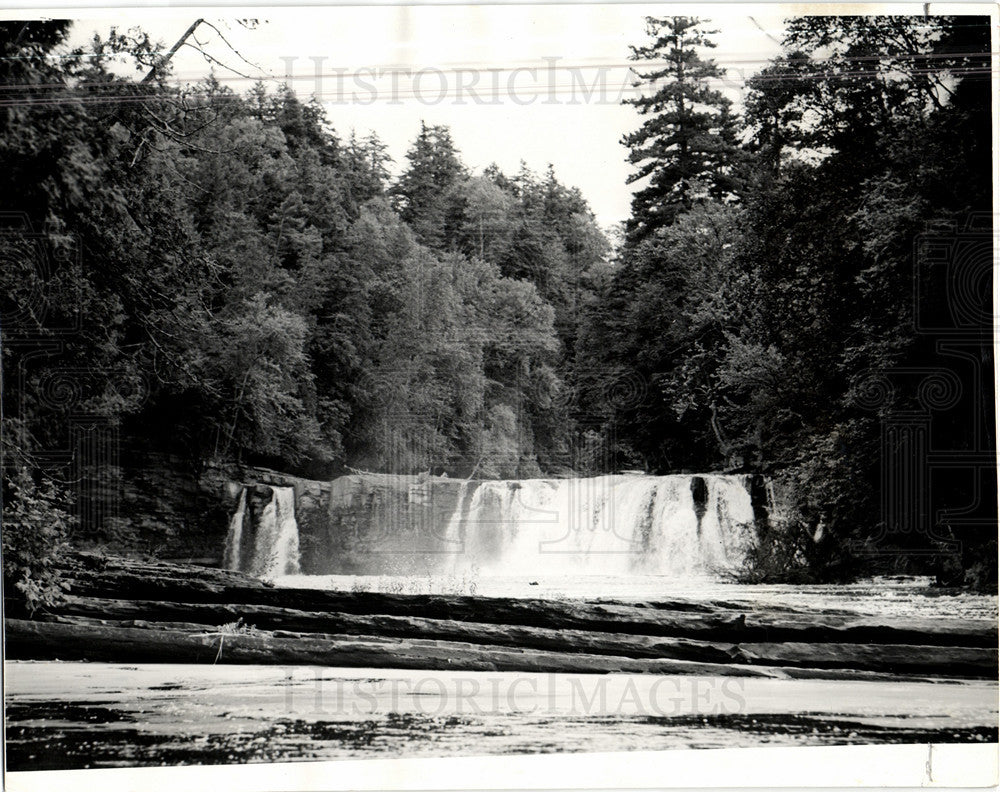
pixel 77 715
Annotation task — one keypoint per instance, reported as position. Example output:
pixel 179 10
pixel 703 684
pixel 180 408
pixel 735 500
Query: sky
pixel 541 84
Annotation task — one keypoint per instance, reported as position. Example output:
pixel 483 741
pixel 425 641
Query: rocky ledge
pixel 124 610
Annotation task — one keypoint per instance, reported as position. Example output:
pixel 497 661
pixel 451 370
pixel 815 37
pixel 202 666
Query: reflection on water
pixel 72 715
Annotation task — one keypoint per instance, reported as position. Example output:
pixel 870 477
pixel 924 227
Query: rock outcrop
pixel 131 611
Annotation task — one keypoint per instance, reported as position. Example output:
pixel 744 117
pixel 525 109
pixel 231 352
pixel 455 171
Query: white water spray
pixel 608 525
pixel 274 535
pixel 234 537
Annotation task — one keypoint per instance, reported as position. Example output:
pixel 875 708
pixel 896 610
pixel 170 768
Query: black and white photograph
pixel 581 395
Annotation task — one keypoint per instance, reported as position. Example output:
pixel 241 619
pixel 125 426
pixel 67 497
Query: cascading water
pixel 234 537
pixel 609 525
pixel 264 543
pixel 453 532
pixel 616 526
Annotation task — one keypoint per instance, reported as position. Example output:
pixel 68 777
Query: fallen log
pixel 828 628
pixel 84 639
pixel 271 618
pixel 951 661
pixel 165 599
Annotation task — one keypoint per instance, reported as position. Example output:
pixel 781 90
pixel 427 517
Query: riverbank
pixel 128 611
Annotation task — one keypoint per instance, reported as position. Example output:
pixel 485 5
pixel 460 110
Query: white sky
pixel 579 136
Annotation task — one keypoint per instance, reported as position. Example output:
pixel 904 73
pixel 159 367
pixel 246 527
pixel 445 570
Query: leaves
pixel 753 325
pixel 685 149
pixel 36 526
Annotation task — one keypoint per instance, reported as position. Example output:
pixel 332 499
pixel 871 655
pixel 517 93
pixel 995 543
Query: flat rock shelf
pixel 127 611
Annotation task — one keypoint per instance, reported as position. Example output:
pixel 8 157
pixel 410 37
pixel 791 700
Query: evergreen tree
pixel 685 146
pixel 424 189
pixel 368 160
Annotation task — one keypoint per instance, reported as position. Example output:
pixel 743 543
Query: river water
pixel 897 597
pixel 74 715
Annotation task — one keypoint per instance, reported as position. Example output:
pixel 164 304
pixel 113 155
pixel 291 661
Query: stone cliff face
pixel 369 523
pixel 164 509
pixel 375 523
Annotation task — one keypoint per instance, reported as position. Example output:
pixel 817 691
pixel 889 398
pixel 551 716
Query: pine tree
pixel 686 143
pixel 423 190
pixel 369 162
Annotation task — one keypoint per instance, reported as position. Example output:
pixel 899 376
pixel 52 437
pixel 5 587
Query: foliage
pixel 685 148
pixel 236 628
pixel 769 311
pixel 424 190
pixel 36 526
pixel 247 286
pixel 237 282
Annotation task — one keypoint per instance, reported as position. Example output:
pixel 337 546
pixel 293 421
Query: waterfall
pixel 266 544
pixel 453 532
pixel 234 537
pixel 608 525
pixel 617 525
pixel 276 544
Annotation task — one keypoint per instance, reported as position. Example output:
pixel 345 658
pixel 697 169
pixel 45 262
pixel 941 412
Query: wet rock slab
pixel 131 611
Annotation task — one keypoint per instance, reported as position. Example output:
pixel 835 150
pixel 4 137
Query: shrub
pixel 804 539
pixel 35 527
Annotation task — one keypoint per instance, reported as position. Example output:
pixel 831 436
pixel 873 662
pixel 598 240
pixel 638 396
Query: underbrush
pixel 793 553
pixel 36 525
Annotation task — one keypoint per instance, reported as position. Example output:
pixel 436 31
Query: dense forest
pixel 221 276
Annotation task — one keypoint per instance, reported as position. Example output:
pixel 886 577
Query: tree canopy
pixel 756 311
pixel 226 277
